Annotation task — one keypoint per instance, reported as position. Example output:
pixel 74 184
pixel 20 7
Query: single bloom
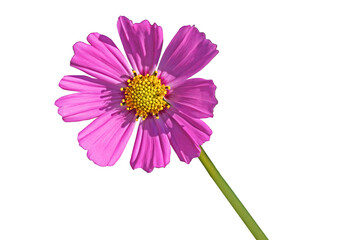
pixel 167 102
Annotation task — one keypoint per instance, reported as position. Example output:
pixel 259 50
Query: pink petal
pixel 86 84
pixel 106 137
pixel 185 133
pixel 152 147
pixel 142 43
pixel 95 97
pixel 195 97
pixel 188 52
pixel 101 59
pixel 83 106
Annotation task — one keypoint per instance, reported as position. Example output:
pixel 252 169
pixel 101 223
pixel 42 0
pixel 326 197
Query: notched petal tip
pixel 152 147
pixel 142 43
pixel 197 31
pixel 123 18
pixel 195 97
pixel 56 103
pixel 98 163
pixel 101 59
pixel 186 134
pixel 188 52
pixel 148 170
pixel 106 137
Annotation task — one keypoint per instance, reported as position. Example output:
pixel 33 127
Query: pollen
pixel 145 94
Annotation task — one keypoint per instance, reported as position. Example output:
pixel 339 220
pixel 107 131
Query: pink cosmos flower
pixel 168 104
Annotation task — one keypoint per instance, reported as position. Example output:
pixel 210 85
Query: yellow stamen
pixel 146 95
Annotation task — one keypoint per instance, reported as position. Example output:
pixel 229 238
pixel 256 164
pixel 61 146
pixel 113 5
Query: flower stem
pixel 231 197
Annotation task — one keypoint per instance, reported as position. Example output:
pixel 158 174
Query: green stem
pixel 231 197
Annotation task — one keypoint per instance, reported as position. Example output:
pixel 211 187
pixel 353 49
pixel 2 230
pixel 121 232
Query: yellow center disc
pixel 145 94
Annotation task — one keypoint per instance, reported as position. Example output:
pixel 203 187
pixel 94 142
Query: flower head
pixel 166 102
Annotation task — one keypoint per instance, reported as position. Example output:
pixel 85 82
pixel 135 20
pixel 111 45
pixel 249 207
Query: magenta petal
pixel 152 147
pixel 142 43
pixel 82 106
pixel 185 133
pixel 86 84
pixel 195 97
pixel 94 98
pixel 101 59
pixel 106 137
pixel 188 52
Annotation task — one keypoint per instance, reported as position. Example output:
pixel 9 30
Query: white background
pixel 286 129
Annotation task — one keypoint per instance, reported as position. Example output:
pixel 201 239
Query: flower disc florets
pixel 145 94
